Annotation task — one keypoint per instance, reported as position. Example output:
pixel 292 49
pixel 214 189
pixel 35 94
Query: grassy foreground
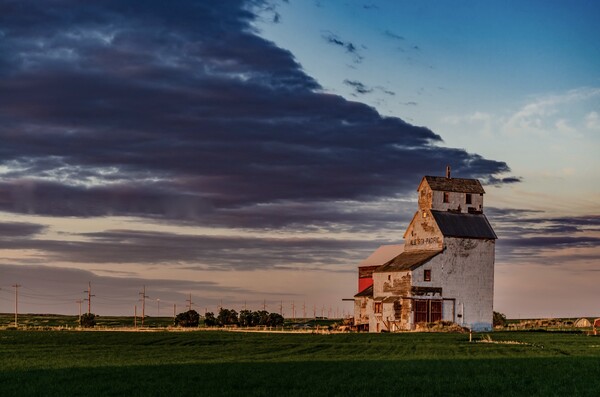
pixel 71 363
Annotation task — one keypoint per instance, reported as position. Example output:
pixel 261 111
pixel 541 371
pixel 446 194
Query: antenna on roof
pixel 448 171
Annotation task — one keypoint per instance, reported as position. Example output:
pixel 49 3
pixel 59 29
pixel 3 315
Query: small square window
pixel 427 275
pixel 446 197
pixel 468 199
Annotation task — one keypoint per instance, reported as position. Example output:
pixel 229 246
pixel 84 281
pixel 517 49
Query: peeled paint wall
pixel 423 234
pixel 429 199
pixel 362 311
pixel 465 272
pixel 393 284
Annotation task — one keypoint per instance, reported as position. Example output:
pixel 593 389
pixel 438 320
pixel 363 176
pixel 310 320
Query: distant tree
pixel 499 319
pixel 275 320
pixel 227 317
pixel 246 318
pixel 210 320
pixel 261 317
pixel 88 320
pixel 191 318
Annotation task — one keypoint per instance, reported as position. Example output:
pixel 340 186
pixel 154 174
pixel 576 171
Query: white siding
pixel 465 272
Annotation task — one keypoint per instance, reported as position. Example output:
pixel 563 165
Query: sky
pixel 251 153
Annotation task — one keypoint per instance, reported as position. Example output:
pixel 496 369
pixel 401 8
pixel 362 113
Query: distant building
pixel 444 271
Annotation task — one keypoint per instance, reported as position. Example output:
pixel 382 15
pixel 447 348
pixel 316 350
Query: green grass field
pixel 109 363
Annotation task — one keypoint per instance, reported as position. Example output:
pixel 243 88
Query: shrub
pixel 499 319
pixel 191 318
pixel 275 320
pixel 227 317
pixel 209 319
pixel 88 320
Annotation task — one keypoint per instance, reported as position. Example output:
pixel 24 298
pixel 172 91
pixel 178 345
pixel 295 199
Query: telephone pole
pixel 80 301
pixel 144 296
pixel 158 306
pixel 189 301
pixel 16 286
pixel 89 298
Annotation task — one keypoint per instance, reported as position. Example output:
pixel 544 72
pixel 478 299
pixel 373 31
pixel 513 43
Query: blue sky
pixel 256 151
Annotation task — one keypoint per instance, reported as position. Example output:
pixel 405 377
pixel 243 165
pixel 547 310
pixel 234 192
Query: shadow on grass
pixel 447 377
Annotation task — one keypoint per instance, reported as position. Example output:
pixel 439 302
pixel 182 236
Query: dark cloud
pixel 358 87
pixel 9 230
pixel 385 90
pixel 205 252
pixel 184 112
pixel 392 35
pixel 527 235
pixel 350 47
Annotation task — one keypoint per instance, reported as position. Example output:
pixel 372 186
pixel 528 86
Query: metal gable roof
pixel 460 185
pixel 368 292
pixel 454 224
pixel 408 260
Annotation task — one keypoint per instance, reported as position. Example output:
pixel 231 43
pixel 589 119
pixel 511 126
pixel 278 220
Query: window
pixel 377 307
pixel 427 275
pixel 427 310
pixel 421 307
pixel 446 197
pixel 468 198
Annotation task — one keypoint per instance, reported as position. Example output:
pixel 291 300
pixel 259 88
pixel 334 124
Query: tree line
pixel 230 317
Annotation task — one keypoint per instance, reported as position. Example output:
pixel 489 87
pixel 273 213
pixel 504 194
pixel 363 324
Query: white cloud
pixel 592 121
pixel 538 116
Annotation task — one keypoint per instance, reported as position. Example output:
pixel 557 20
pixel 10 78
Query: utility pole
pixel 89 298
pixel 174 310
pixel 135 316
pixel 189 301
pixel 144 296
pixel 293 311
pixel 158 306
pixel 80 301
pixel 281 308
pixel 264 305
pixel 304 310
pixel 16 286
